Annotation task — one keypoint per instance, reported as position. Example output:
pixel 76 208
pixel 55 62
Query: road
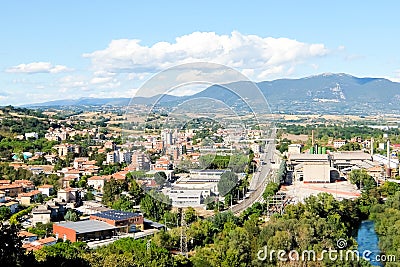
pixel 260 179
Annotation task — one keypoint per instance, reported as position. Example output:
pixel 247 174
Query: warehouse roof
pixel 87 226
pixel 116 215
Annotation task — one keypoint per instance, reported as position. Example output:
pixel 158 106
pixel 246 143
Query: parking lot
pixel 340 190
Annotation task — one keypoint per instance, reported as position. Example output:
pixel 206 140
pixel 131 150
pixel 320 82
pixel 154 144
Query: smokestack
pixel 312 138
pixel 372 146
pixel 388 152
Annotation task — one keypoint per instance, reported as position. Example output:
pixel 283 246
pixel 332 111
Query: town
pixel 74 179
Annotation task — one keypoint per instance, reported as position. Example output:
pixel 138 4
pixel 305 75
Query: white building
pixel 187 197
pixel 294 149
pixel 31 135
pixel 339 143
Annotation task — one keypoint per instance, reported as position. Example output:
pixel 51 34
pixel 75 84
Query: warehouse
pixel 87 230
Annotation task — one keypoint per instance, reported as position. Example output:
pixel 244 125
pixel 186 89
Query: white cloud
pixel 38 67
pixel 97 80
pixel 258 56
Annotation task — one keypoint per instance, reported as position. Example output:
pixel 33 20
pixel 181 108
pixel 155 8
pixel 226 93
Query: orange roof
pixel 25 234
pixel 10 186
pixel 73 172
pixel 22 182
pixel 97 177
pixel 30 194
pixel 30 247
pixel 118 176
pixel 46 186
pixel 69 178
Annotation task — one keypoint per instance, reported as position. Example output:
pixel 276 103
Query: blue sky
pixel 70 49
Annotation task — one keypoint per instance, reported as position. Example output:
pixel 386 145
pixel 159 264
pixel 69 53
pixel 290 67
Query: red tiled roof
pixel 29 194
pixel 25 234
pixel 46 186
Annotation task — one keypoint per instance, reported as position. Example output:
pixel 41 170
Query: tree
pixel 190 215
pixel 160 178
pixel 154 205
pixel 11 251
pixel 111 190
pixel 71 215
pixel 123 203
pixel 270 190
pixel 89 195
pixel 362 179
pixel 352 146
pixel 227 182
pixel 136 192
pixel 5 213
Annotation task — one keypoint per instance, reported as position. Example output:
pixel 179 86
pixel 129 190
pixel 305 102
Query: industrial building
pixel 124 221
pixel 101 225
pixel 84 230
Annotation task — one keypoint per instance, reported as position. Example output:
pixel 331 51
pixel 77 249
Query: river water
pixel 367 239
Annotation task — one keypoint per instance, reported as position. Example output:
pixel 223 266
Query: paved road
pixel 260 179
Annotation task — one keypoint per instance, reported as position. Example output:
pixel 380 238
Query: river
pixel 367 239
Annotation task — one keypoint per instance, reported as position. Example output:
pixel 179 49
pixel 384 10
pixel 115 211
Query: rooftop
pixel 87 226
pixel 116 215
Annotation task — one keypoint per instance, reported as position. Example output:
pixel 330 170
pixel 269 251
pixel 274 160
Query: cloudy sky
pixel 51 50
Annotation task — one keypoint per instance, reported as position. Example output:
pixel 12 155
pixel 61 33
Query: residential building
pixel 28 198
pixel 46 189
pixel 41 214
pixel 339 143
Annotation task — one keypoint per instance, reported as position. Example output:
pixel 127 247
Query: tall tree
pixel 227 182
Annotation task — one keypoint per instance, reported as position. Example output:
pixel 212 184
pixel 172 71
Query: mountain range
pixel 325 93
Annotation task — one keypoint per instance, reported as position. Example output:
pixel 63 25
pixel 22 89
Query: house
pixel 79 162
pixel 41 214
pixel 68 180
pixel 11 190
pixel 26 185
pixel 68 195
pixel 97 182
pixel 46 189
pixel 40 243
pixel 64 149
pixel 27 237
pixel 339 143
pixel 31 135
pixel 28 198
pixel 12 205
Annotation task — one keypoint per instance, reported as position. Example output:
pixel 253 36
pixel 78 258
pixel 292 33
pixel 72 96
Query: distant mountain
pixel 90 101
pixel 326 93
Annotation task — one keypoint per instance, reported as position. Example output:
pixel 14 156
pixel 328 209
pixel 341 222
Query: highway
pixel 261 178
